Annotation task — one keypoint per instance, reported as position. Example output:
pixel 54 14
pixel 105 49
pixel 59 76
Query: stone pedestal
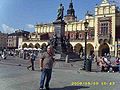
pixel 59 32
pixel 61 44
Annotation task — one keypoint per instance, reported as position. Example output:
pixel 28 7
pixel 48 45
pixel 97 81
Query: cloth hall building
pixel 103 31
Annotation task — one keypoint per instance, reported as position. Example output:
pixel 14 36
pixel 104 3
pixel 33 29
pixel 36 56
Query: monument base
pixel 59 36
pixel 61 44
pixel 67 57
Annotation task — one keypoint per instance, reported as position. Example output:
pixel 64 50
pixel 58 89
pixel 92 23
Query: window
pixel 72 36
pixel 92 33
pixel 80 35
pixel 104 27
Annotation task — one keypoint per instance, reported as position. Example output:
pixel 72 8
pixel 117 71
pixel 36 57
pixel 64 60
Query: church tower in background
pixel 70 13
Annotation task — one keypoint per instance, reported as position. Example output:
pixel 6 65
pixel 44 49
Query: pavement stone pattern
pixel 58 64
pixel 66 76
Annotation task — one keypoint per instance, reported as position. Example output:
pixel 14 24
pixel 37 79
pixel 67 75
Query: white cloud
pixel 29 26
pixel 117 1
pixel 7 29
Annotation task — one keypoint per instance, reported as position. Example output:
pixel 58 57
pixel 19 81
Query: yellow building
pixel 103 30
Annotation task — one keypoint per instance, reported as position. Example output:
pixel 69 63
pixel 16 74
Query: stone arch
pixel 101 41
pixel 103 48
pixel 90 49
pixel 43 46
pixel 24 45
pixel 31 45
pixel 37 45
pixel 105 40
pixel 78 48
pixel 70 48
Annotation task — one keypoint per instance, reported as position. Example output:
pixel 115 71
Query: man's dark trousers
pixel 46 74
pixel 32 64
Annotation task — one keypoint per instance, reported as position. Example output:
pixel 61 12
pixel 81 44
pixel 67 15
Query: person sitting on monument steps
pixel 117 63
pixel 46 65
pixel 104 64
pixel 101 64
pixel 108 63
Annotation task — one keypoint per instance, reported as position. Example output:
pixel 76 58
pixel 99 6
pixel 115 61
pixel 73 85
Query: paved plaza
pixel 15 76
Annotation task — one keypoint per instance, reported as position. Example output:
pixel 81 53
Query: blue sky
pixel 23 14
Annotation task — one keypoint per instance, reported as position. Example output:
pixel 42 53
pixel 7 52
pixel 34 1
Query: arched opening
pixel 70 48
pixel 24 45
pixel 101 41
pixel 43 46
pixel 103 49
pixel 37 45
pixel 90 49
pixel 78 48
pixel 31 45
pixel 105 41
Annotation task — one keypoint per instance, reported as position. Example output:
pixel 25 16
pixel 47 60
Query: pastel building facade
pixel 102 33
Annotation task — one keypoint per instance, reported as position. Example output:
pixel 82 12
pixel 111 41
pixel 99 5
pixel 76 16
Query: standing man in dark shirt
pixel 46 64
pixel 32 59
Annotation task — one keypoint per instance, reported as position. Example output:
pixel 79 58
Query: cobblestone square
pixel 15 76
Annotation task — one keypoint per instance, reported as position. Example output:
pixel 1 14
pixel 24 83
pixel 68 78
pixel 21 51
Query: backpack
pixel 33 57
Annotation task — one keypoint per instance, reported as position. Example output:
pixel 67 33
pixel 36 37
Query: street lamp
pixel 85 58
pixel 117 46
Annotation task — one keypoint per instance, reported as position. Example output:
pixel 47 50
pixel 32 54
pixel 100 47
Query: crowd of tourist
pixel 104 63
pixel 25 54
pixel 107 65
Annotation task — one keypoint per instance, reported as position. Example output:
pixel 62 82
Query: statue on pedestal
pixel 60 12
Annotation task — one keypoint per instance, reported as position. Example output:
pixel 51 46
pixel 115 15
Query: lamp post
pixel 85 58
pixel 117 46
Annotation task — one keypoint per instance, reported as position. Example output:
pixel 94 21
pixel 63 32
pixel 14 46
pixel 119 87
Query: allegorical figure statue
pixel 60 12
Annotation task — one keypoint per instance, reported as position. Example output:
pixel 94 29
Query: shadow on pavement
pixel 70 88
pixel 11 64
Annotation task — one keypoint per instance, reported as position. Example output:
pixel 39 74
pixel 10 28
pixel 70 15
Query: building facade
pixel 103 30
pixel 13 40
pixel 3 41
